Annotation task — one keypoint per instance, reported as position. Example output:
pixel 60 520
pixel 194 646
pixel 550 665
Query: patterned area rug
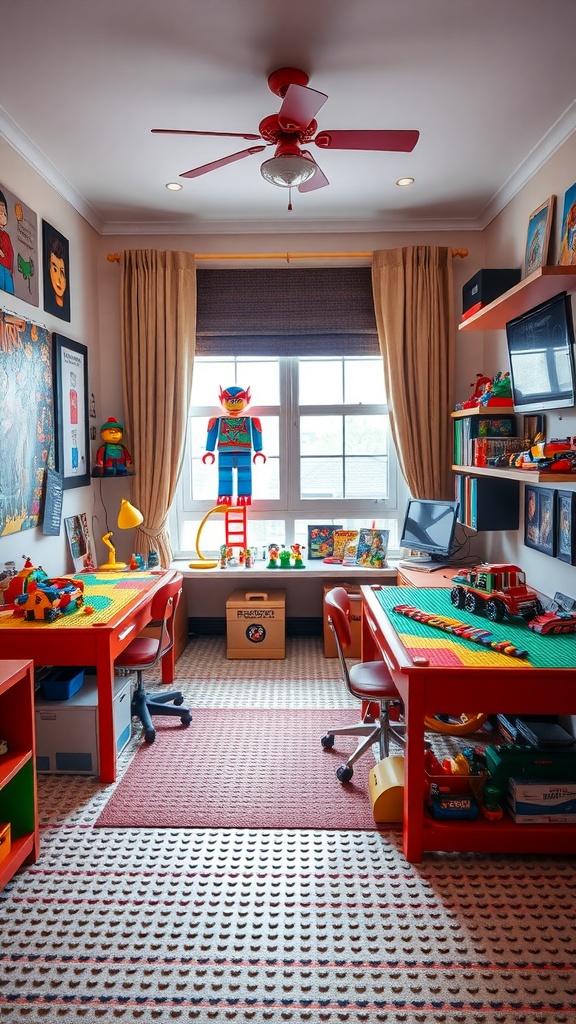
pixel 238 768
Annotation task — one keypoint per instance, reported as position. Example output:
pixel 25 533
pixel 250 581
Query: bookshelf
pixel 18 800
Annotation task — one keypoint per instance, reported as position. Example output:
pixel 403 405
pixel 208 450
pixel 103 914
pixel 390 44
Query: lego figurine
pixel 112 458
pixel 234 435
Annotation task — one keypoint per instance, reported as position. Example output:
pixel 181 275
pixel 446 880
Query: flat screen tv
pixel 541 356
pixel 429 528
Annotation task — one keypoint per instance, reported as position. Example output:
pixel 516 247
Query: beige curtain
pixel 413 299
pixel 158 337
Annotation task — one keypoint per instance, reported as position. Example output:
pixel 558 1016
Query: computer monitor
pixel 541 354
pixel 429 529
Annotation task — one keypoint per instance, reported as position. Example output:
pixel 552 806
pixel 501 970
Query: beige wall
pixel 95 323
pixel 505 240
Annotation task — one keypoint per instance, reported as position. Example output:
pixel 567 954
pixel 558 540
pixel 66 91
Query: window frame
pixel 290 508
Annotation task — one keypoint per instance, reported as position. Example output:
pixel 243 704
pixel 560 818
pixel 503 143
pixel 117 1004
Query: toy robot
pixel 234 435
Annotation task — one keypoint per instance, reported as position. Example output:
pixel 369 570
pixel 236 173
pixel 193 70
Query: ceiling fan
pixel 293 127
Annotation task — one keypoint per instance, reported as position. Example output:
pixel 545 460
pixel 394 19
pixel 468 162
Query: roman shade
pixel 287 311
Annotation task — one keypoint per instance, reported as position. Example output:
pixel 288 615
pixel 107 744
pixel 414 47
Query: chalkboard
pixel 52 522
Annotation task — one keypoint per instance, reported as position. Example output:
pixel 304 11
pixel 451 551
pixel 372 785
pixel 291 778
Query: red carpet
pixel 243 769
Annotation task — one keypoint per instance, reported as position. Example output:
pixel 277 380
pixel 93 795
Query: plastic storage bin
pixel 67 731
pixel 62 683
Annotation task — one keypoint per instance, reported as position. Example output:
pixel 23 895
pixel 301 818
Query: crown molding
pixel 29 152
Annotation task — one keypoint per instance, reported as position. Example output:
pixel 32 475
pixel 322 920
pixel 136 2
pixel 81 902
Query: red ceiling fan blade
pixel 197 171
pixel 223 135
pixel 299 106
pixel 318 179
pixel 385 141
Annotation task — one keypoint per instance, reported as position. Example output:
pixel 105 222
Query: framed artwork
pixel 540 519
pixel 26 422
pixel 538 237
pixel 56 266
pixel 566 526
pixel 71 406
pixel 321 541
pixel 79 541
pixel 568 231
pixel 18 248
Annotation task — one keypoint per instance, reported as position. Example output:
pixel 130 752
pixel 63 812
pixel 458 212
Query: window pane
pixel 321 435
pixel 262 377
pixel 366 477
pixel 320 381
pixel 364 382
pixel 366 435
pixel 209 376
pixel 321 478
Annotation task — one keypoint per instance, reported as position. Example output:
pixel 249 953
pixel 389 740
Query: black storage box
pixel 486 286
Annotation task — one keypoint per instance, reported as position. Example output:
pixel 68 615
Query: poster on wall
pixel 26 421
pixel 18 248
pixel 71 411
pixel 56 264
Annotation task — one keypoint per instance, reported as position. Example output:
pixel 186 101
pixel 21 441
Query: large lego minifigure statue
pixel 112 457
pixel 234 435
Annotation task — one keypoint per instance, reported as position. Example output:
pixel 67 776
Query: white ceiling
pixel 490 84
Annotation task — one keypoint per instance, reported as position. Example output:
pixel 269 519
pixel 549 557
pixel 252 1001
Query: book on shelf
pixel 469 428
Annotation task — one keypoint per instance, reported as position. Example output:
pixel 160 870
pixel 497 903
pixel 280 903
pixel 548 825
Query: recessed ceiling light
pixel 174 186
pixel 403 182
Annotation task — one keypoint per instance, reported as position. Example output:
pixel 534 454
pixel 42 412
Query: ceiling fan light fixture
pixel 288 171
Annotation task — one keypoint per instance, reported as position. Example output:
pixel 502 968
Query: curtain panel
pixel 414 303
pixel 158 321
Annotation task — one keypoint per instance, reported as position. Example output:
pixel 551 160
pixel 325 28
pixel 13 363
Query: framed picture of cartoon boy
pixel 56 266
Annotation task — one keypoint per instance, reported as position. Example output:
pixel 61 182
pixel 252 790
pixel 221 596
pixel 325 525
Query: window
pixel 330 457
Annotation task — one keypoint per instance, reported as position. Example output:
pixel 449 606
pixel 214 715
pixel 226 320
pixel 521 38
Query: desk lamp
pixel 128 518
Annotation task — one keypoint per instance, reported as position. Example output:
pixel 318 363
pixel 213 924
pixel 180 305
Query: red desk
pixel 457 676
pixel 121 603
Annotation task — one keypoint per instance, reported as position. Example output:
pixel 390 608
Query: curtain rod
pixel 116 257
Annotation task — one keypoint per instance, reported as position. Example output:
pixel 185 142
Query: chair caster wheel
pixel 327 741
pixel 344 773
pixel 178 701
pixel 150 736
pixel 186 718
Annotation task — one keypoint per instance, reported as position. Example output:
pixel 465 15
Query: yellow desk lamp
pixel 202 562
pixel 128 518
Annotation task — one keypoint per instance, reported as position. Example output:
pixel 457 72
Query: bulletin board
pixel 26 421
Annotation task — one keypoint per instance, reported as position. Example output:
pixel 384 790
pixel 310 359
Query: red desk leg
pixel 413 831
pixel 106 741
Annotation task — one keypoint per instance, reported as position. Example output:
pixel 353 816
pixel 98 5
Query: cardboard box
pixel 354 651
pixel 256 624
pixel 535 801
pixel 67 731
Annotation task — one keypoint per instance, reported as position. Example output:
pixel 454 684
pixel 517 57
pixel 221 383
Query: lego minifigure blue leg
pixel 244 480
pixel 225 463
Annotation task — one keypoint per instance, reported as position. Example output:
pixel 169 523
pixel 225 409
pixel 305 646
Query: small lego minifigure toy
pixel 235 436
pixel 112 458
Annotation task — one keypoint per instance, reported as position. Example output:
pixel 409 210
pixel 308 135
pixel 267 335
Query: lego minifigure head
pixel 234 400
pixel 112 431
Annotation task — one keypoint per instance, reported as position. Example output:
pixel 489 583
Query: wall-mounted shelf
pixel 542 284
pixel 532 476
pixel 484 411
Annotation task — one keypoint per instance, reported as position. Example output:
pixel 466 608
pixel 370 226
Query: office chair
pixel 145 652
pixel 370 682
